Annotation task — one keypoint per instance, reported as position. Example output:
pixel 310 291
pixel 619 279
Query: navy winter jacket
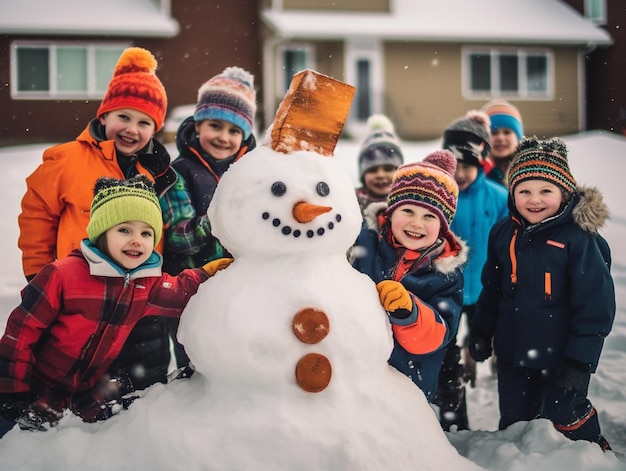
pixel 547 289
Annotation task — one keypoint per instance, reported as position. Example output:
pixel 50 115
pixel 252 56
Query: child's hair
pixel 380 147
pixel 468 138
pixel 541 160
pixel 135 85
pixel 504 115
pixel 429 184
pixel 117 201
pixel 229 96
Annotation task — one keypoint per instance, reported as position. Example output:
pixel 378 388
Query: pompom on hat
pixel 117 201
pixel 504 115
pixel 381 146
pixel 429 184
pixel 541 160
pixel 468 138
pixel 229 96
pixel 135 85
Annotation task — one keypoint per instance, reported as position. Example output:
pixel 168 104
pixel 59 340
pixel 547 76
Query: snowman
pixel 290 330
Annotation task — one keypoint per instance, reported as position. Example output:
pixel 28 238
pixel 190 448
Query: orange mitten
pixel 214 266
pixel 394 296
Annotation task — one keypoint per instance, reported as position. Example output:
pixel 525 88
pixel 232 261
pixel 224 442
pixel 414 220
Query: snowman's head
pixel 270 203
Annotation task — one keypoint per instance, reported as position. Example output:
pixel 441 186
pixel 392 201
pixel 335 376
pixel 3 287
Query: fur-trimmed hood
pixel 442 264
pixel 591 212
pixel 587 210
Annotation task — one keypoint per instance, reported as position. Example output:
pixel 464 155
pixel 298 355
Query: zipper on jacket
pixel 126 280
pixel 513 258
pixel 547 286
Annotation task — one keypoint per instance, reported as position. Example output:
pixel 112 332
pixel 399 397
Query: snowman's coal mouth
pixel 296 233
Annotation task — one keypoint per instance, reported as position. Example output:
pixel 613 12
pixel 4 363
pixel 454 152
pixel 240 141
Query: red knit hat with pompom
pixel 429 184
pixel 135 85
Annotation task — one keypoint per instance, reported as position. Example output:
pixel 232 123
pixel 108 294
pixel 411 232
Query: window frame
pixel 599 6
pixel 53 47
pixel 282 84
pixel 523 92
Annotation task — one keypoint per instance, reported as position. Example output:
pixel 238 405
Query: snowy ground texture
pixel 595 158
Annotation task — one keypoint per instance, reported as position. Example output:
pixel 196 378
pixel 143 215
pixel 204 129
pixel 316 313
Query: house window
pixel 294 59
pixel 62 70
pixel 595 11
pixel 518 73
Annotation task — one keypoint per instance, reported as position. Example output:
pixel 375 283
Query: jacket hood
pixel 449 264
pixel 586 209
pixel 101 265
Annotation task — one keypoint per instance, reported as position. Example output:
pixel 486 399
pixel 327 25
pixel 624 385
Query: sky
pixel 245 408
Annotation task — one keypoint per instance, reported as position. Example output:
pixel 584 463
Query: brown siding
pixel 423 92
pixel 210 39
pixel 338 5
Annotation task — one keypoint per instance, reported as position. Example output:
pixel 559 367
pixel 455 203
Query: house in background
pixel 606 66
pixel 425 63
pixel 422 62
pixel 57 57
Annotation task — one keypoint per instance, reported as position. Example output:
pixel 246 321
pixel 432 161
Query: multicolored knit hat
pixel 468 138
pixel 229 96
pixel 504 115
pixel 381 146
pixel 541 160
pixel 429 184
pixel 135 85
pixel 117 201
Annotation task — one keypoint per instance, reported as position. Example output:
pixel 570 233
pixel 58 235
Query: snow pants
pixel 526 393
pixel 5 426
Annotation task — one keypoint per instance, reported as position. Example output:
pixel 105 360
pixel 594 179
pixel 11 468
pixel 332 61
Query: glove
pixel 101 402
pixel 39 416
pixel 573 375
pixel 13 404
pixel 395 299
pixel 214 266
pixel 479 345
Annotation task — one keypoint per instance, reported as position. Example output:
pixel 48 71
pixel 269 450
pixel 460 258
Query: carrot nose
pixel 306 212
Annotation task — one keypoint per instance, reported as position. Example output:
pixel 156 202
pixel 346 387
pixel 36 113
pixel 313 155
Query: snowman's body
pixel 277 274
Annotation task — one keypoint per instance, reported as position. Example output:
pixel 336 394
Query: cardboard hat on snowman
pixel 311 115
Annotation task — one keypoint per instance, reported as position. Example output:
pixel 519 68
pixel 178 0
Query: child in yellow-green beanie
pixel 76 314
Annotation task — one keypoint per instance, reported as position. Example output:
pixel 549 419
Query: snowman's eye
pixel 322 189
pixel 279 188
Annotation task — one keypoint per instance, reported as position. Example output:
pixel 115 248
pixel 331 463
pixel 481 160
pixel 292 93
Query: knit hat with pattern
pixel 504 115
pixel 541 160
pixel 429 184
pixel 381 146
pixel 229 96
pixel 135 85
pixel 117 201
pixel 468 138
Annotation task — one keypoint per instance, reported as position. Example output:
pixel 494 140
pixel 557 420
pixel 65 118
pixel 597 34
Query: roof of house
pixel 487 21
pixel 87 18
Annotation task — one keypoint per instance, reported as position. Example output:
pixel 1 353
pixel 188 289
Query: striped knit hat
pixel 429 184
pixel 504 115
pixel 229 96
pixel 541 160
pixel 117 201
pixel 135 85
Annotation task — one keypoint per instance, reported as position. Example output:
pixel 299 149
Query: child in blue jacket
pixel 482 202
pixel 548 299
pixel 408 250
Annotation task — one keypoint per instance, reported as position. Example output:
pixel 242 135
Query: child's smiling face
pixel 537 200
pixel 415 227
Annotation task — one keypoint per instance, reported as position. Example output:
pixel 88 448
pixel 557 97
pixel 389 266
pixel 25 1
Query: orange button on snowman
pixel 311 118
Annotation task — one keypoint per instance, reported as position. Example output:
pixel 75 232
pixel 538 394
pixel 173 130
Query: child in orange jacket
pixel 118 143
